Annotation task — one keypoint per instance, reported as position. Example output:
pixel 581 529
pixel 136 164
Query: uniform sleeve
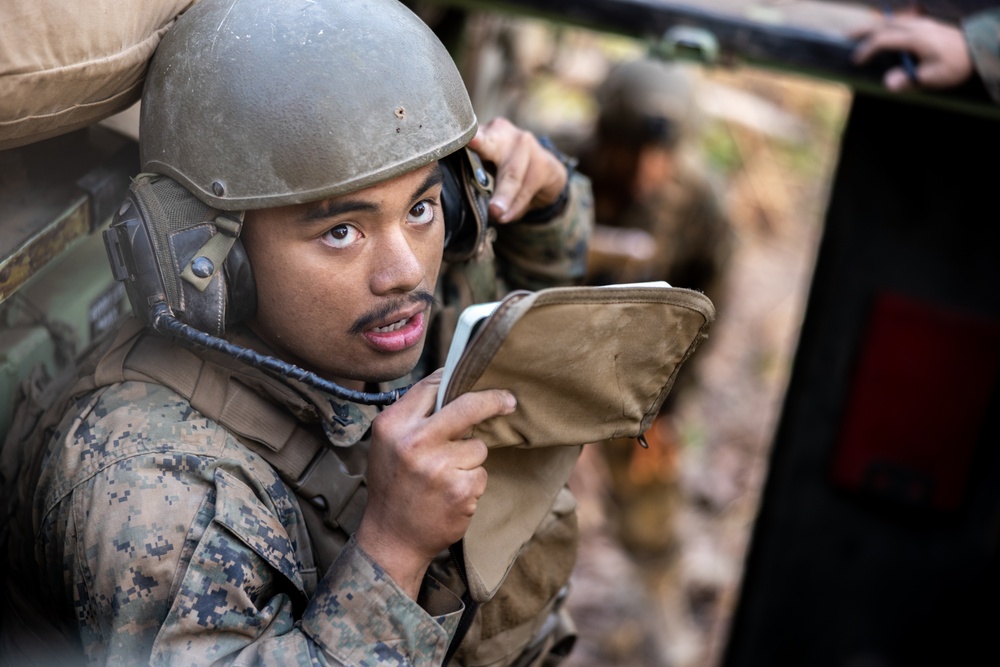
pixel 178 558
pixel 718 240
pixel 534 256
pixel 362 617
pixel 982 34
pixel 239 598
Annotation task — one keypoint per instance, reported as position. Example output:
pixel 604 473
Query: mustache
pixel 389 307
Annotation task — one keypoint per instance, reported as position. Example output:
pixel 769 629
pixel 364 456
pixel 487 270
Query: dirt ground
pixel 674 610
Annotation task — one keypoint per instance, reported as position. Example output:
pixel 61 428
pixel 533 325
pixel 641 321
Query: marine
pixel 250 470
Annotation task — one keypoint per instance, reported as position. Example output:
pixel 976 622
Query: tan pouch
pixel 586 364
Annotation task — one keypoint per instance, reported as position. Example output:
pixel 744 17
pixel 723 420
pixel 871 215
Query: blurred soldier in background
pixel 659 217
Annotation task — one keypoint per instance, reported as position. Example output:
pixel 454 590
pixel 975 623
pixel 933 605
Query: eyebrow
pixel 334 208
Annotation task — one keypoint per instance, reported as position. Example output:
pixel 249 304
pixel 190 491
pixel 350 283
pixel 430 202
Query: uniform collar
pixel 345 423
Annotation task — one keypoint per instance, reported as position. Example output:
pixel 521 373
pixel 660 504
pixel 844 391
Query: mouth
pixel 395 326
pixel 397 332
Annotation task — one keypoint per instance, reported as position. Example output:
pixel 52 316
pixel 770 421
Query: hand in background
pixel 943 59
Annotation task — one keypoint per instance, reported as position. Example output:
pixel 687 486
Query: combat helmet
pixel 646 101
pixel 253 104
pixel 262 103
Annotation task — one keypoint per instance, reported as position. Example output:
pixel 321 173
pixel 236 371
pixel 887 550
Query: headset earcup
pixel 241 297
pixel 465 199
pixel 146 253
pixel 451 201
pixel 133 259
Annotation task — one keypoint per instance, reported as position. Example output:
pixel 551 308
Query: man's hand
pixel 528 175
pixel 425 477
pixel 940 49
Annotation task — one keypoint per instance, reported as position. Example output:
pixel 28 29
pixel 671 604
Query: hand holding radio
pixel 425 477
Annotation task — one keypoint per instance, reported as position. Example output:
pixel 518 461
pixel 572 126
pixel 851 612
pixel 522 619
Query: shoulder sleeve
pixel 982 34
pixel 538 255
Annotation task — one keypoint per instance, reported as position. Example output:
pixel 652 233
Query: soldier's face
pixel 345 285
pixel 639 170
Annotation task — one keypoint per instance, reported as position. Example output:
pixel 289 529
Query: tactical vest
pixel 522 625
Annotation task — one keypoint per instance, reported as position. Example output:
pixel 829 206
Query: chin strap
pixel 164 322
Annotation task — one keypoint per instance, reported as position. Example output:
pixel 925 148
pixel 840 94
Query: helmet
pixel 646 102
pixel 261 103
pixel 254 104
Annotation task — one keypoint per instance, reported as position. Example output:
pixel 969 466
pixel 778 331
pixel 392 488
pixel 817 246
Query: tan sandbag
pixel 65 64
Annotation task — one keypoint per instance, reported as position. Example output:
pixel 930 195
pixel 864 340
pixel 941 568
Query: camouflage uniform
pixel 982 33
pixel 164 539
pixel 684 216
pixel 693 236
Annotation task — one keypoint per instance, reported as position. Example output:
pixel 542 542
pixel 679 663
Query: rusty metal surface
pixel 43 209
pixel 47 243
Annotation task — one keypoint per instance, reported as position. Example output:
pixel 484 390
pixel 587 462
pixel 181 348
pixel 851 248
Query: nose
pixel 398 269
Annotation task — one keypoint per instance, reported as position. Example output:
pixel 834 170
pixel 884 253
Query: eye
pixel 422 213
pixel 342 236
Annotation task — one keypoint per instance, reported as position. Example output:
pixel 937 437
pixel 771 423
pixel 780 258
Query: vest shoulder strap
pixel 297 450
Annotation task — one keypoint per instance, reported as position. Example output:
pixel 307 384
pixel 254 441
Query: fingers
pixel 528 175
pixel 893 35
pixel 897 80
pixel 411 419
pixel 469 485
pixel 461 415
pixel 424 479
pixel 940 48
pixel 419 400
pixel 903 33
pixel 509 199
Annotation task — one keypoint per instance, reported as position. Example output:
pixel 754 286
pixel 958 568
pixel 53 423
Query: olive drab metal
pixel 250 106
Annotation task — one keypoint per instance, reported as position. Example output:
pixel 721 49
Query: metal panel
pixel 807 37
pixel 835 577
pixel 56 192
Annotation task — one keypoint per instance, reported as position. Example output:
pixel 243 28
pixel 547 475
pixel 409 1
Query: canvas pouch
pixel 586 364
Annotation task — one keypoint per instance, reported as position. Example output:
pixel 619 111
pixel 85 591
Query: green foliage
pixel 720 149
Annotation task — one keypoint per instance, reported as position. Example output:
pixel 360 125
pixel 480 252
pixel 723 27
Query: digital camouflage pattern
pixel 171 542
pixel 184 545
pixel 553 253
pixel 982 33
